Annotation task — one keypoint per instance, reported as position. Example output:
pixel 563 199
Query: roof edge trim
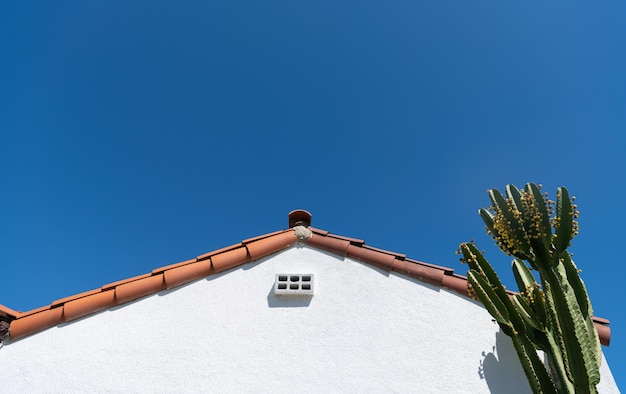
pixel 69 308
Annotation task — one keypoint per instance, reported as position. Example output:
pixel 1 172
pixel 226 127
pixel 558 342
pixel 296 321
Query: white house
pixel 295 310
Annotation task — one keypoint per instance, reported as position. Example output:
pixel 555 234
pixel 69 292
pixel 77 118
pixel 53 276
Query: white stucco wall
pixel 363 331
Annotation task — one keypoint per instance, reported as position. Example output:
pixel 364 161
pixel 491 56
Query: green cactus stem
pixel 552 315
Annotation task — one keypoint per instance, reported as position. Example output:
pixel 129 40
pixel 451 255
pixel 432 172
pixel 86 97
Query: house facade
pixel 295 310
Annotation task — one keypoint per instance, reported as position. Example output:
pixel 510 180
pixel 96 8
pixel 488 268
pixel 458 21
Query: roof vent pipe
pixel 299 217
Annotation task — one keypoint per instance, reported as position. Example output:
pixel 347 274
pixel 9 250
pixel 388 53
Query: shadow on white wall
pixel 501 368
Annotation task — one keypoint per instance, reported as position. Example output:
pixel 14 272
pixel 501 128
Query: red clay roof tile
pixel 187 273
pixel 319 231
pixel 353 241
pixel 604 332
pixel 36 322
pixel 76 309
pixel 218 251
pixel 397 255
pixel 246 241
pixel 601 320
pixel 381 260
pixel 79 305
pixel 230 259
pixel 8 312
pixel 121 282
pixel 36 310
pixel 332 245
pixel 140 288
pixel 456 283
pixel 419 271
pixel 266 246
pixel 168 267
pixel 447 270
pixel 325 233
pixel 64 300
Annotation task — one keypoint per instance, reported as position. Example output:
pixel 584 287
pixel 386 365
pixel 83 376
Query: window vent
pixel 293 284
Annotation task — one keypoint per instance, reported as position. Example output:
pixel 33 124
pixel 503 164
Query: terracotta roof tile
pixel 325 233
pixel 422 272
pixel 246 241
pixel 332 245
pixel 36 310
pixel 8 312
pixel 187 273
pixel 600 320
pixel 380 260
pixel 447 270
pixel 266 246
pixel 92 303
pixel 126 290
pixel 230 259
pixel 604 332
pixel 353 241
pixel 121 282
pixel 62 301
pixel 168 267
pixel 319 231
pixel 456 283
pixel 218 251
pixel 398 255
pixel 36 322
pixel 140 288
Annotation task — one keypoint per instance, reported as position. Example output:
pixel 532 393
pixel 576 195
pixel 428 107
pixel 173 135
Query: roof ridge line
pixel 126 290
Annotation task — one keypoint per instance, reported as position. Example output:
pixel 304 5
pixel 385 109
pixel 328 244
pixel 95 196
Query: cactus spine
pixel 554 317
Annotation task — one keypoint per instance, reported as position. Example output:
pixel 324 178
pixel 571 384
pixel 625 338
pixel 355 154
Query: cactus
pixel 554 317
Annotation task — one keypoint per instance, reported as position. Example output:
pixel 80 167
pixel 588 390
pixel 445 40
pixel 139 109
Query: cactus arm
pixel 497 199
pixel 523 250
pixel 543 339
pixel 536 372
pixel 571 271
pixel 480 265
pixel 529 287
pixel 584 331
pixel 515 195
pixel 488 219
pixel 476 261
pixel 538 225
pixel 546 228
pixel 523 277
pixel 512 237
pixel 495 306
pixel 555 359
pixel 578 286
pixel 570 326
pixel 539 302
pixel 523 246
pixel 527 313
pixel 563 220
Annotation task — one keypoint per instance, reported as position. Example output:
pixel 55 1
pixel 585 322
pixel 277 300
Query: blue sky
pixel 137 134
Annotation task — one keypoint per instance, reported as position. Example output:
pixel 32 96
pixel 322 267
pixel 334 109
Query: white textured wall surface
pixel 363 331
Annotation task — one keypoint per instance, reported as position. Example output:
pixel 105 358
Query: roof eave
pixel 120 292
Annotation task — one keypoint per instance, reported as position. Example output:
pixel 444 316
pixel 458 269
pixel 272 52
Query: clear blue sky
pixel 137 134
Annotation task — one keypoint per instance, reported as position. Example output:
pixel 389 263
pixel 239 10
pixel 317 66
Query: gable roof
pixel 74 307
